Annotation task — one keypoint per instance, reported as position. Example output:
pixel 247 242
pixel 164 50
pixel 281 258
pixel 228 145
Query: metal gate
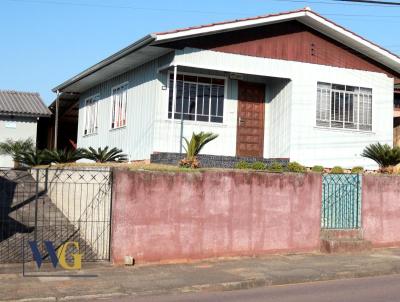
pixel 341 201
pixel 57 205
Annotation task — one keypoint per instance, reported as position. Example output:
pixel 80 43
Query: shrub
pixel 102 155
pixel 275 167
pixel 296 167
pixel 242 165
pixel 357 170
pixel 319 169
pixel 194 146
pixel 33 158
pixel 14 148
pixel 337 170
pixel 258 165
pixel 64 156
pixel 384 155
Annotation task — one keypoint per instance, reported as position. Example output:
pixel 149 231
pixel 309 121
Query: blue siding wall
pixel 136 139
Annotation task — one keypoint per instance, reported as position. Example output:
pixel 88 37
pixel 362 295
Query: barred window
pixel 342 106
pixel 197 98
pixel 91 109
pixel 119 97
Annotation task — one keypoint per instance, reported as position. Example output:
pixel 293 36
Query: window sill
pixel 119 128
pixel 344 130
pixel 197 123
pixel 90 134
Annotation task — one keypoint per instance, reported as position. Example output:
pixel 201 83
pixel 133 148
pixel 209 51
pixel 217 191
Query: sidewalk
pixel 200 276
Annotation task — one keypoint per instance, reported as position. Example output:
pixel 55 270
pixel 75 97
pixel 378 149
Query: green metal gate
pixel 341 201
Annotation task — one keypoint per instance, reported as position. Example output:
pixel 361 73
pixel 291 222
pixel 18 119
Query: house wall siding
pixel 290 126
pixel 277 129
pixel 25 127
pixel 309 144
pixel 278 119
pixel 144 89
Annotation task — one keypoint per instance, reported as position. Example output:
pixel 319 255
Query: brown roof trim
pixel 305 10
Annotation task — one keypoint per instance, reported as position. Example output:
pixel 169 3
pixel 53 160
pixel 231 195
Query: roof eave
pixel 376 52
pixel 19 114
pixel 222 27
pixel 111 59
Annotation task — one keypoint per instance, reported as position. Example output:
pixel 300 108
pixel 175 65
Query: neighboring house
pixel 290 85
pixel 19 114
pixel 396 118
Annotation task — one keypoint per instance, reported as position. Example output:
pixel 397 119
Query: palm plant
pixel 64 156
pixel 14 148
pixel 194 146
pixel 33 157
pixel 102 155
pixel 384 155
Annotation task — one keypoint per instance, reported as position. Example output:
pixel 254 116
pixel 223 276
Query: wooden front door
pixel 250 123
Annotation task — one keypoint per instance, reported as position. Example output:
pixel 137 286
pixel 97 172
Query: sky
pixel 45 42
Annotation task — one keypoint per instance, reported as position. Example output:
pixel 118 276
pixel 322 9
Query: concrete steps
pixel 343 241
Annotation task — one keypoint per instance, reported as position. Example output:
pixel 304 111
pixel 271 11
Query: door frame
pixel 238 116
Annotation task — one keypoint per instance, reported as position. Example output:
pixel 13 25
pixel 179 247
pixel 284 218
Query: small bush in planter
pixel 296 167
pixel 193 148
pixel 337 170
pixel 357 170
pixel 258 165
pixel 242 165
pixel 318 169
pixel 275 167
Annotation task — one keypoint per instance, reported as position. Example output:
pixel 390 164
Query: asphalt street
pixel 375 289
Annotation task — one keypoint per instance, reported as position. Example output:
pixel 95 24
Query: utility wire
pixel 334 2
pixel 98 5
pixel 371 2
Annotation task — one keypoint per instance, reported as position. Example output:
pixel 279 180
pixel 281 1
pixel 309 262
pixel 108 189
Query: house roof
pixel 151 46
pixel 22 104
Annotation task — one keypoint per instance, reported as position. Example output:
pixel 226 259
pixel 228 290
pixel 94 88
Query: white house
pixel 19 115
pixel 290 85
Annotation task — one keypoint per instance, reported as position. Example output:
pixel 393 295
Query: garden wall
pixel 160 216
pixel 381 209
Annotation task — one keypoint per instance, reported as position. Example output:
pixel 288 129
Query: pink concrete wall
pixel 184 216
pixel 381 209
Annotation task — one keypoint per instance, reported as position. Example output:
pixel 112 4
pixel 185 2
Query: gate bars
pixel 58 205
pixel 341 201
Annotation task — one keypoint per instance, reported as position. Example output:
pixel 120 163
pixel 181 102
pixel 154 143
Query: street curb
pixel 264 282
pixel 223 286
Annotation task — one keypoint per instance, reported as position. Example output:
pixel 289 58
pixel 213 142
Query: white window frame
pixel 209 122
pixel 124 105
pixel 358 97
pixel 91 115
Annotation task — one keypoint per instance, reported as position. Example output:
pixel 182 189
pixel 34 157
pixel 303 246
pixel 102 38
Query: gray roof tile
pixel 22 103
